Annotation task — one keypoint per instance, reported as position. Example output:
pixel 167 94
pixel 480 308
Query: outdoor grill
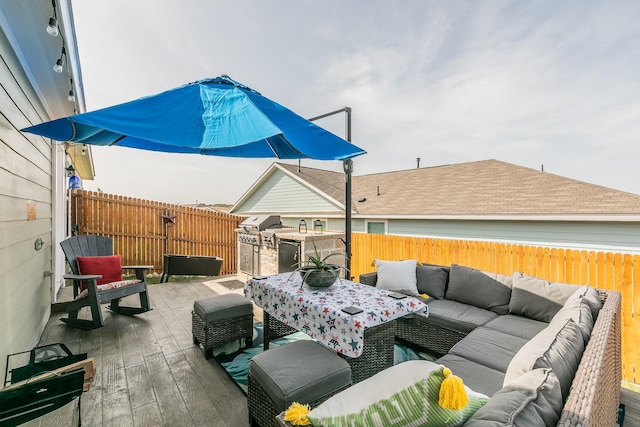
pixel 249 240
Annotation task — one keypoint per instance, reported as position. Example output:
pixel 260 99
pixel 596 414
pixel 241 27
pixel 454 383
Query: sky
pixel 542 84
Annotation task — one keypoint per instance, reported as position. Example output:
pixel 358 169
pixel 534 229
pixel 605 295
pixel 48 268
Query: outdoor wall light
pixel 52 28
pixel 317 226
pixel 302 227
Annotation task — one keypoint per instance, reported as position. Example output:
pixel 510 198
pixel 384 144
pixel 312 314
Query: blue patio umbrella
pixel 218 117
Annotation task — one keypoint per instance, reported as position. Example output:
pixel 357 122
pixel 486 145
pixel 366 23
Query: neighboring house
pixel 33 170
pixel 485 200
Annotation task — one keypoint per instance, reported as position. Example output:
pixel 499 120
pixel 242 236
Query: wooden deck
pixel 148 371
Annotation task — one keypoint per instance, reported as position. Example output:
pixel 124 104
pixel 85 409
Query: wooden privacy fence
pixel 143 231
pixel 603 270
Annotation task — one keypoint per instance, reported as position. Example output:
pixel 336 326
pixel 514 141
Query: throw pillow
pixel 432 280
pixel 559 346
pixel 490 291
pixel 109 267
pixel 397 276
pixel 533 399
pixel 537 298
pixel 589 296
pixel 405 394
pixel 578 310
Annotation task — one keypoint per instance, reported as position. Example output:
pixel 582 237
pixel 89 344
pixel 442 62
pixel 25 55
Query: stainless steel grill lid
pixel 261 222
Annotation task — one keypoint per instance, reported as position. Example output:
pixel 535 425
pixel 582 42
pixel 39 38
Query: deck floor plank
pixel 148 371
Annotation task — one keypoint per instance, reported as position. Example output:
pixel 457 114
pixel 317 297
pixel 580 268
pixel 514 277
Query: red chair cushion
pixel 109 267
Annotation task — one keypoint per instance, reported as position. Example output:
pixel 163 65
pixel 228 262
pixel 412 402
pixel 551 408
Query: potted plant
pixel 316 271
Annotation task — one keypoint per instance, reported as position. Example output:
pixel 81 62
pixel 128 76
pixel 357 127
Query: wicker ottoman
pixel 301 371
pixel 220 319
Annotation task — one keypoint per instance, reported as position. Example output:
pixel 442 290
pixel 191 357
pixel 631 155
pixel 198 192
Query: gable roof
pixel 487 188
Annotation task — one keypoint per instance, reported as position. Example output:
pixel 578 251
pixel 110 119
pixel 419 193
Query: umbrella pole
pixel 348 170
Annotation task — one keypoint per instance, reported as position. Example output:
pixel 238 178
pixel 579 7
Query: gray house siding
pixel 280 193
pixel 26 180
pixel 620 236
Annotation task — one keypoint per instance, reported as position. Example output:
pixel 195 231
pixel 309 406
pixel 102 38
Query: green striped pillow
pixel 415 405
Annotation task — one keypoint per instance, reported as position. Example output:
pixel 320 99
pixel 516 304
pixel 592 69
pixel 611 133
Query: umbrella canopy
pixel 218 117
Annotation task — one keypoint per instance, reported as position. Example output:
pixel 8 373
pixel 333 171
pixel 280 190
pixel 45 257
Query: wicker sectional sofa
pixel 488 327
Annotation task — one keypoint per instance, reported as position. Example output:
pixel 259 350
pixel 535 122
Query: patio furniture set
pixel 538 353
pixel 542 353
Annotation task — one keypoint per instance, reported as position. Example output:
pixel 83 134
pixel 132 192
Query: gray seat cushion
pixel 301 371
pixel 476 376
pixel 517 326
pixel 220 307
pixel 489 347
pixel 457 316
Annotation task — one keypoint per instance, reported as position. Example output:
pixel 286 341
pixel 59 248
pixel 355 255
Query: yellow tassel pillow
pixel 405 394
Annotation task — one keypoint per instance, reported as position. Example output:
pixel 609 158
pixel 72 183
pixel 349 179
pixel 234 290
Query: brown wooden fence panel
pixel 143 231
pixel 611 271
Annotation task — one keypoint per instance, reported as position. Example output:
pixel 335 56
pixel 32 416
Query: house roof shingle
pixel 487 187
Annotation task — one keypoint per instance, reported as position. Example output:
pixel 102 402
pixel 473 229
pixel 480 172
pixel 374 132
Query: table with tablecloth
pixel 365 339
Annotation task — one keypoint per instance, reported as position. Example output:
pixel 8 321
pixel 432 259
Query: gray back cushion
pixel 490 291
pixel 432 280
pixel 578 310
pixel 537 298
pixel 559 347
pixel 533 399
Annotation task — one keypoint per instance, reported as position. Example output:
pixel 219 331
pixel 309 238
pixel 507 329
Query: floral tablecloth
pixel 318 311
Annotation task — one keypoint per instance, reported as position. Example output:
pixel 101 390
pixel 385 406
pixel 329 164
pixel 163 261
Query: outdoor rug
pixel 235 359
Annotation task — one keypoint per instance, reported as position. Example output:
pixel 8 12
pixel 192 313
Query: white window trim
pixel 377 221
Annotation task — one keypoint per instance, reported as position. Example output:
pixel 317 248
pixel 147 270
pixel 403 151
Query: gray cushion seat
pixel 478 377
pixel 301 371
pixel 221 307
pixel 517 326
pixel 457 316
pixel 489 347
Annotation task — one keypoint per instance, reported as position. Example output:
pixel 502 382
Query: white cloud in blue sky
pixel 531 83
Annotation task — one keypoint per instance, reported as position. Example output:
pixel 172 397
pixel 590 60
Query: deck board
pixel 148 371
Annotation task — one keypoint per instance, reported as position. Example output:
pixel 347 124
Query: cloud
pixel 525 82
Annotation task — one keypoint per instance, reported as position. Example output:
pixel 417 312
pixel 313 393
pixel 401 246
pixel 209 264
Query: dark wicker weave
pixel 414 330
pixel 262 410
pixel 377 353
pixel 274 329
pixel 224 331
pixel 369 279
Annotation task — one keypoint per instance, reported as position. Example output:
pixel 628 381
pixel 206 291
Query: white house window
pixel 376 227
